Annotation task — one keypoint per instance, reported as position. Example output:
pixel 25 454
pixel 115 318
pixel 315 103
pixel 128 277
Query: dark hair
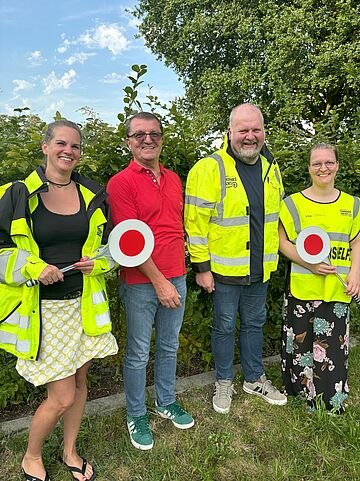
pixel 142 116
pixel 324 145
pixel 49 133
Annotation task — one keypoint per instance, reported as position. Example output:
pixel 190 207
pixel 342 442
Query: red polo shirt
pixel 134 193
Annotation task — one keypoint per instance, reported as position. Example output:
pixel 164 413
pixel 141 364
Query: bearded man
pixel 231 219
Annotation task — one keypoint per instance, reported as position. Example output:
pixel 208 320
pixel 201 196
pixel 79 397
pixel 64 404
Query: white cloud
pixel 80 57
pixel 36 58
pixel 54 106
pixel 112 78
pixel 52 82
pixel 108 36
pixel 21 85
pixel 65 45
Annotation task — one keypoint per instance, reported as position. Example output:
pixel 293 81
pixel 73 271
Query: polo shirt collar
pixel 138 168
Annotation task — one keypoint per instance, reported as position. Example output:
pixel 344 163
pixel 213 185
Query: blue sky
pixel 67 54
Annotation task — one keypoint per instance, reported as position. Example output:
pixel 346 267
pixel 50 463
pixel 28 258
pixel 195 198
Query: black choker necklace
pixel 58 185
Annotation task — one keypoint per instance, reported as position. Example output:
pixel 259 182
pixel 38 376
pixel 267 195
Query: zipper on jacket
pixel 3 320
pixel 267 172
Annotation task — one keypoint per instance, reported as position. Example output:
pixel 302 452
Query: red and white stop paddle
pixel 130 243
pixel 313 246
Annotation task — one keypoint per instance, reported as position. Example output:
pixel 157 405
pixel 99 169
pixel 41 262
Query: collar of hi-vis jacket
pixel 264 152
pixel 37 180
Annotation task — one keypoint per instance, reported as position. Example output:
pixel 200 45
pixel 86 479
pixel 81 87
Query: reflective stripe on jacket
pixel 217 216
pixel 20 317
pixel 341 220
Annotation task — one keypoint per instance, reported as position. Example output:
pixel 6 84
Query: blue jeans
pixel 250 302
pixel 142 309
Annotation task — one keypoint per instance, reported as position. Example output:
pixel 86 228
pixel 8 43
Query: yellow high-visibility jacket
pixel 217 217
pixel 341 220
pixel 20 315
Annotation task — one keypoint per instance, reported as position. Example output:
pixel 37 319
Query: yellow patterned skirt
pixel 64 346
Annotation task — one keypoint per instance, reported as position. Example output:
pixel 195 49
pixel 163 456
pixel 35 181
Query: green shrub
pixel 105 153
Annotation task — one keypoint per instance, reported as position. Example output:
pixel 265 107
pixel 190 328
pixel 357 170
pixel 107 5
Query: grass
pixel 255 442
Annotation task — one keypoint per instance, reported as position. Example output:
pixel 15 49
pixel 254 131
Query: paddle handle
pixel 101 252
pixel 355 298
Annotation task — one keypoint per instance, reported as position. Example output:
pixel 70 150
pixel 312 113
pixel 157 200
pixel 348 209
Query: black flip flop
pixel 74 469
pixel 29 477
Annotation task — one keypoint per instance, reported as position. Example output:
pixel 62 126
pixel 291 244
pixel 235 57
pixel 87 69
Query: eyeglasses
pixel 329 164
pixel 141 136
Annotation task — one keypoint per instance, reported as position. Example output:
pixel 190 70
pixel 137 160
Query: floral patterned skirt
pixel 314 351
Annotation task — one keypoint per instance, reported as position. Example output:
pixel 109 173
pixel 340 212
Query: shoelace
pixel 175 409
pixel 225 391
pixel 267 386
pixel 142 425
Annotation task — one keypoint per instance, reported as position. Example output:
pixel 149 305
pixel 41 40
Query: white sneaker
pixel 264 388
pixel 222 398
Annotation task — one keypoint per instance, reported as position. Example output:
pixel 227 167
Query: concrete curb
pixel 108 404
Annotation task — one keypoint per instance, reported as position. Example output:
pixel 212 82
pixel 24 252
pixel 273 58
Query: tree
pixel 297 59
pixel 20 136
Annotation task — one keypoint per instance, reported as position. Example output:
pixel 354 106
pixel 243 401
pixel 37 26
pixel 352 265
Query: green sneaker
pixel 140 433
pixel 180 418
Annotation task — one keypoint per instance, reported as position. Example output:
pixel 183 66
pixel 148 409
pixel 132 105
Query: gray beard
pixel 248 157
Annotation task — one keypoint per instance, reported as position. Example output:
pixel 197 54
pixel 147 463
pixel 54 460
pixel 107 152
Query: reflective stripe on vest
pixel 102 319
pixel 197 240
pixel 239 261
pixel 272 217
pixel 297 269
pixel 20 261
pixel 230 261
pixel 192 200
pixel 270 257
pixel 337 237
pixel 9 338
pixel 98 297
pixel 356 207
pixel 233 221
pixel 3 264
pixel 220 205
pixel 277 176
pixel 294 213
pixel 16 320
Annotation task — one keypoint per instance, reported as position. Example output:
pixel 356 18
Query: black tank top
pixel 60 239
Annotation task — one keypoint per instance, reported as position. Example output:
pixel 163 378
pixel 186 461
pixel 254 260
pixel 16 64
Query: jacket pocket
pixel 11 300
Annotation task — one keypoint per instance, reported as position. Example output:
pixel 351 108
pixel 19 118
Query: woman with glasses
pixel 315 335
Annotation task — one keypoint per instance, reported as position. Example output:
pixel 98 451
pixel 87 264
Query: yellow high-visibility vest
pixel 341 220
pixel 20 316
pixel 217 216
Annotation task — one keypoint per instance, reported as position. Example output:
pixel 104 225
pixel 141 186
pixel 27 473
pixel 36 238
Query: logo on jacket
pixel 231 182
pixel 345 212
pixel 342 253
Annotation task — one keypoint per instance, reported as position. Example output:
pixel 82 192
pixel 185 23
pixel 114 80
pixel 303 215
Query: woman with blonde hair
pixel 55 218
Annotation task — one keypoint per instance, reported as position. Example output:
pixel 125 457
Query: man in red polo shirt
pixel 155 291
